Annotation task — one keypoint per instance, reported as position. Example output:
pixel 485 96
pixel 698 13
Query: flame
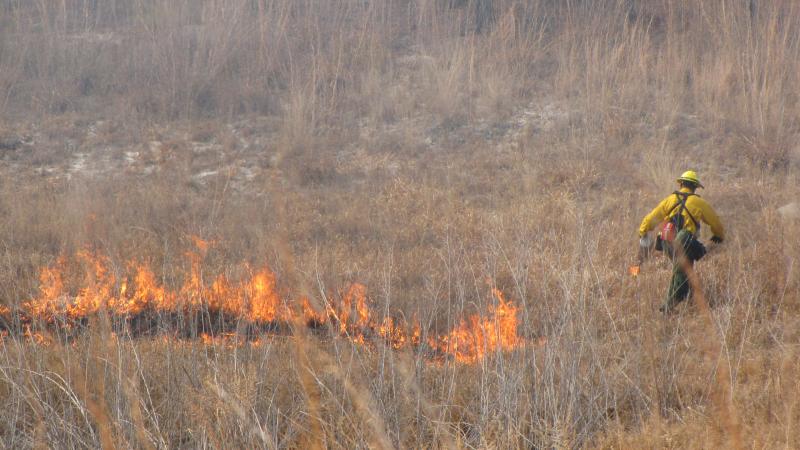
pixel 147 292
pixel 51 300
pixel 252 299
pixel 310 316
pixel 266 304
pixel 200 243
pixel 38 338
pixel 477 336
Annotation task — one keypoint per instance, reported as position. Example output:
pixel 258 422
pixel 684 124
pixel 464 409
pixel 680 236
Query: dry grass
pixel 387 142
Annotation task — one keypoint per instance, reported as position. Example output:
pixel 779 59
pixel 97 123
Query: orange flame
pixel 254 300
pixel 477 336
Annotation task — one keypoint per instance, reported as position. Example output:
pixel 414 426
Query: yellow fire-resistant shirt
pixel 700 209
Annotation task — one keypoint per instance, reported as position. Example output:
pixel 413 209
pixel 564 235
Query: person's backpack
pixel 675 222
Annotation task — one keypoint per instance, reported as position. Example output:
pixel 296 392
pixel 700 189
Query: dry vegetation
pixel 430 150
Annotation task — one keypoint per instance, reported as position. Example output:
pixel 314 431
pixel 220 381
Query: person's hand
pixel 645 242
pixel 716 239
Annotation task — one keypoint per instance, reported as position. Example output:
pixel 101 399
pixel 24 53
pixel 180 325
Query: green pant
pixel 679 289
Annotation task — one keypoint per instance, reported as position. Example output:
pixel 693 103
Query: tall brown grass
pixel 430 150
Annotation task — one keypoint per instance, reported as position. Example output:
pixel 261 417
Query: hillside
pixel 393 223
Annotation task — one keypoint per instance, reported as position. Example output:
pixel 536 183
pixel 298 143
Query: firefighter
pixel 679 216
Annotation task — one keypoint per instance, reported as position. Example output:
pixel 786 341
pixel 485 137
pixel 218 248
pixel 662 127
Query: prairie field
pixel 394 223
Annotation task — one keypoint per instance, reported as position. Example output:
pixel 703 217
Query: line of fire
pixel 247 311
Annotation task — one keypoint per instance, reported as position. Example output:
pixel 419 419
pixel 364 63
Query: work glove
pixel 716 239
pixel 645 242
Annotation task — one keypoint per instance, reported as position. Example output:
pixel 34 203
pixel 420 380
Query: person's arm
pixel 710 217
pixel 654 218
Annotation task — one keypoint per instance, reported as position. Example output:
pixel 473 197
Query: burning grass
pixel 138 305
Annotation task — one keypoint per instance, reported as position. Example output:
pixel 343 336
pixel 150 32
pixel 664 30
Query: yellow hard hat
pixel 691 176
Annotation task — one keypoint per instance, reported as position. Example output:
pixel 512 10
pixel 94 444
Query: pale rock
pixel 790 211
